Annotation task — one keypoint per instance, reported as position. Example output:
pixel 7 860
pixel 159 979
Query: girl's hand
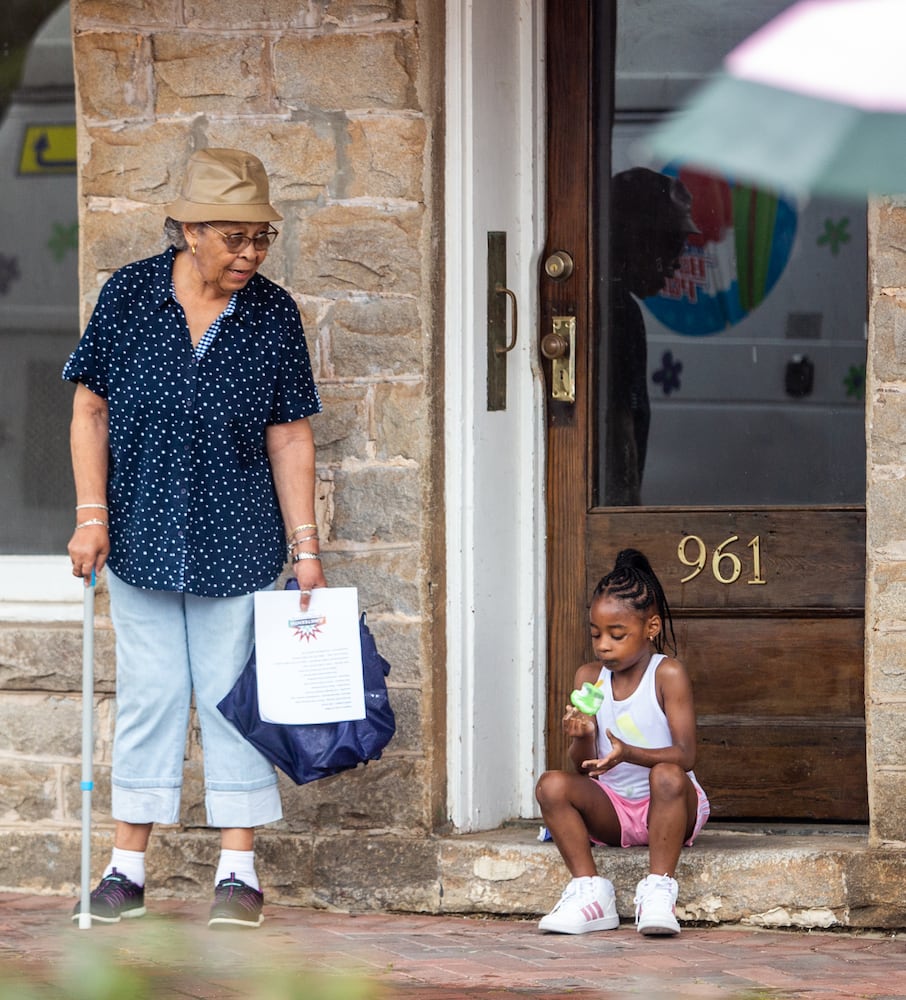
pixel 577 724
pixel 616 756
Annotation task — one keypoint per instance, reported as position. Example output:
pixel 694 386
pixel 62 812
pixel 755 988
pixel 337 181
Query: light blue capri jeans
pixel 167 644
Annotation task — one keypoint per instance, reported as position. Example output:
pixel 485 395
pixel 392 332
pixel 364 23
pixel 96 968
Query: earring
pixel 193 249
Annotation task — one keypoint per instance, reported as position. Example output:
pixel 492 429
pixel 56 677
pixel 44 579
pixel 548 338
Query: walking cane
pixel 87 748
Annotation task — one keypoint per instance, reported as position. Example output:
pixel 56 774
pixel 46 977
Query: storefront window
pixel 38 274
pixel 734 364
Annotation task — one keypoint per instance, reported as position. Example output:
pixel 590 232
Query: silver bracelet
pixel 299 556
pixel 83 506
pixel 93 521
pixel 298 541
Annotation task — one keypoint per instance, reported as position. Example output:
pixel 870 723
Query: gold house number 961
pixel 726 565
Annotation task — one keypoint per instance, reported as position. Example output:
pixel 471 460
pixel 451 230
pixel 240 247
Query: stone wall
pixel 885 598
pixel 341 101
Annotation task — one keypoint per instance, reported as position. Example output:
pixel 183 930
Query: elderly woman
pixel 194 469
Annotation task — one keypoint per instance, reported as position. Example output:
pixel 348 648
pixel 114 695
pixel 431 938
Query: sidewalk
pixel 312 954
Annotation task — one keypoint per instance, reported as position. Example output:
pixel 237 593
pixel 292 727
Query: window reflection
pixel 651 220
pixel 731 358
pixel 38 275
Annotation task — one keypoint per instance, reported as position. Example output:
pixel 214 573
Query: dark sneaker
pixel 115 897
pixel 236 904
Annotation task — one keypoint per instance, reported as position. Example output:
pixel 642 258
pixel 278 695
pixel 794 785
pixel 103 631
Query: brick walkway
pixel 301 953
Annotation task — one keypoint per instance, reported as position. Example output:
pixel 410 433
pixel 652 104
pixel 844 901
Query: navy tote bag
pixel 317 750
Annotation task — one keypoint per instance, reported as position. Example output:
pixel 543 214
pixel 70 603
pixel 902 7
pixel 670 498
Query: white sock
pixel 238 863
pixel 128 863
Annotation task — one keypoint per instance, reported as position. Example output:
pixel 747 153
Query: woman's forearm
pixel 291 451
pixel 89 438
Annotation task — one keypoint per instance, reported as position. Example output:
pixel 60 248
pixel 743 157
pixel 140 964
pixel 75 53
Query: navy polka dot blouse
pixel 190 490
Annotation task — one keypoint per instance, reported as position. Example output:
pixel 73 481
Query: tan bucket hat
pixel 223 184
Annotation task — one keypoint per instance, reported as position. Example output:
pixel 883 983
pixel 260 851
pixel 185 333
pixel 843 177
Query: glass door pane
pixel 733 366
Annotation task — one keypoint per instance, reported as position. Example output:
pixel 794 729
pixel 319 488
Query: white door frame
pixel 494 461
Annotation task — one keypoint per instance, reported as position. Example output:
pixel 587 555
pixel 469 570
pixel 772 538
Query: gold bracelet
pixel 298 528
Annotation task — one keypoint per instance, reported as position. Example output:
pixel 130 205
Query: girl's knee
pixel 551 787
pixel 667 781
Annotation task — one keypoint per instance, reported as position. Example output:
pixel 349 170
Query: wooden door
pixel 767 597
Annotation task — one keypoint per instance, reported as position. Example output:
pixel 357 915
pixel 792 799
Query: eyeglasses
pixel 236 242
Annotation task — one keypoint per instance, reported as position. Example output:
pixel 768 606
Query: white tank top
pixel 638 720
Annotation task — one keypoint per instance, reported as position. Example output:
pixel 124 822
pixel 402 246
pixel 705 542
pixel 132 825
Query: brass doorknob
pixel 559 265
pixel 554 345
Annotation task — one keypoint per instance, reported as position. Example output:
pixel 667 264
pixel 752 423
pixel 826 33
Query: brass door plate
pixel 563 366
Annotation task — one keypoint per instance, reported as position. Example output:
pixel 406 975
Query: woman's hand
pixel 88 549
pixel 309 576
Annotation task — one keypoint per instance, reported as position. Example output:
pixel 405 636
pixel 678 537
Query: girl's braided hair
pixel 633 580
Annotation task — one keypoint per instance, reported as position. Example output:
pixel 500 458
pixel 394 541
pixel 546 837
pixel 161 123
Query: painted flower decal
pixel 668 375
pixel 63 239
pixel 854 382
pixel 835 234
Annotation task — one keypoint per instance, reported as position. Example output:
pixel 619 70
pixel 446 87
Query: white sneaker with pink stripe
pixel 655 906
pixel 587 904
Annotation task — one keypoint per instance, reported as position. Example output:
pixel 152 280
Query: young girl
pixel 635 783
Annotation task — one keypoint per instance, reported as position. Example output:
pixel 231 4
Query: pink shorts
pixel 633 817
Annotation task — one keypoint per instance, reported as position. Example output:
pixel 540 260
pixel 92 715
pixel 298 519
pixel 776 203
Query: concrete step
pixel 769 876
pixel 763 876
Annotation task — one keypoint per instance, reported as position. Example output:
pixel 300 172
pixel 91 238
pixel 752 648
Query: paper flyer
pixel 309 664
